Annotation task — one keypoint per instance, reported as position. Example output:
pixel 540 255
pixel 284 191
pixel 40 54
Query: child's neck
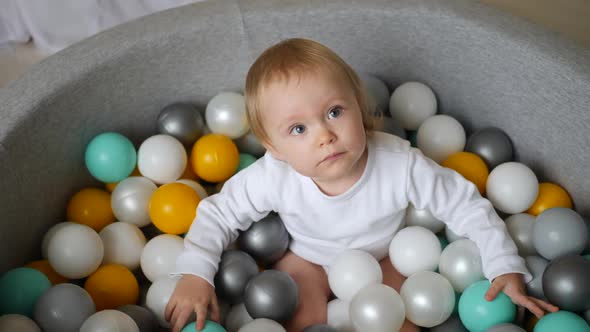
pixel 339 186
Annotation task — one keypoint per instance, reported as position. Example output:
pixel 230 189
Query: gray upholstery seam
pixel 246 34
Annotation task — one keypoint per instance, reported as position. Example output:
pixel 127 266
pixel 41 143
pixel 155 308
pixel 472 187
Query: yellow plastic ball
pixel 471 166
pixel 173 207
pixel 550 196
pixel 91 207
pixel 215 158
pixel 48 271
pixel 112 286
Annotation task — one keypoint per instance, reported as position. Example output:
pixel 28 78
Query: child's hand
pixel 192 293
pixel 513 285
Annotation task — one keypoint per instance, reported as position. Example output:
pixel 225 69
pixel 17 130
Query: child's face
pixel 315 124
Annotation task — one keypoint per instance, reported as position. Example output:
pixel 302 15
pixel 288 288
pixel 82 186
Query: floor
pixel 567 17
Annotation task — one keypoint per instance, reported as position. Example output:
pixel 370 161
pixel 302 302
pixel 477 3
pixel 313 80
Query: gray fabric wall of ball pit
pixel 486 68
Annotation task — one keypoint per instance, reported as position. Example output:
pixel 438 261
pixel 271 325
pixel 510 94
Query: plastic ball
pixel 237 317
pixel 428 297
pixel 536 266
pixel 377 308
pixel 319 328
pixel 492 145
pixel 453 324
pixel 520 227
pixel 559 232
pixel 112 286
pixel 271 294
pixel 377 90
pixel 215 158
pixel 452 236
pixel 550 196
pixel 44 266
pixel 109 320
pixel 145 319
pixel 110 186
pixel 478 314
pixel 20 288
pixel 565 283
pixel 49 234
pixel 338 315
pixel 390 126
pixel 236 268
pixel 562 321
pixel 226 115
pixel 123 243
pixel 173 207
pixel 245 161
pixel 210 326
pixel 182 121
pixel 64 308
pixel 512 187
pixel 423 217
pixel 130 200
pixel 20 323
pixel 471 167
pixel 159 255
pixel 266 240
pixel 262 324
pixel 460 263
pixel 250 144
pixel 414 249
pixel 110 157
pixel 161 158
pixel 505 327
pixel 91 207
pixel 411 104
pixel 440 136
pixel 196 187
pixel 158 296
pixel 75 251
pixel 351 271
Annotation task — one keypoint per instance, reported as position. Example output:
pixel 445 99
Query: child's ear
pixel 270 148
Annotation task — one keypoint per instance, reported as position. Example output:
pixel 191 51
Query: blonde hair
pixel 299 56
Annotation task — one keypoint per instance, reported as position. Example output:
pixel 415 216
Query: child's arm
pixel 457 202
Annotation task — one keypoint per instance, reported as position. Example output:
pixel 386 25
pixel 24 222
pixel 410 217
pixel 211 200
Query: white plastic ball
pixel 351 271
pixel 18 323
pixel 226 114
pixel 123 244
pixel 161 158
pixel 512 187
pixel 414 249
pixel 237 317
pixel 49 234
pixel 428 297
pixel 452 236
pixel 338 315
pixel 440 136
pixel 262 325
pixel 423 217
pixel 131 198
pixel 75 251
pixel 196 186
pixel 108 321
pixel 460 263
pixel 158 295
pixel 377 308
pixel 159 255
pixel 411 104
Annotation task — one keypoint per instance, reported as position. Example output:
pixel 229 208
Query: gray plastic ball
pixel 520 228
pixel 63 308
pixel 390 126
pixel 558 232
pixel 182 121
pixel 423 217
pixel 266 240
pixel 17 323
pixel 378 90
pixel 536 265
pixel 492 145
pixel 453 324
pixel 271 294
pixel 319 328
pixel 235 270
pixel 565 283
pixel 143 317
pixel 587 249
pixel 249 143
pixel 506 327
pixel 586 316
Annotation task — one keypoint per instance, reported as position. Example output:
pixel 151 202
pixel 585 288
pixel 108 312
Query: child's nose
pixel 326 136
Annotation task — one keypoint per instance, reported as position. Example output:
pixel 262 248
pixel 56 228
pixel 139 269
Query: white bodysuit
pixel 365 217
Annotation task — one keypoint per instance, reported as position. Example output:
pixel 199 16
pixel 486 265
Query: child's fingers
pixel 528 303
pixel 546 306
pixel 201 311
pixel 215 309
pixel 493 291
pixel 179 320
pixel 169 309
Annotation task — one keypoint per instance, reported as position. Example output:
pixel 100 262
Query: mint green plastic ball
pixel 19 290
pixel 478 314
pixel 210 326
pixel 562 321
pixel 245 161
pixel 110 157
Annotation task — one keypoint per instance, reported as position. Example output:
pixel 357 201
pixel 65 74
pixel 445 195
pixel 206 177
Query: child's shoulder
pixel 388 143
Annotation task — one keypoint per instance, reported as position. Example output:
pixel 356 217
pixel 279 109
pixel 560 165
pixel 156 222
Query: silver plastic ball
pixel 423 217
pixel 249 143
pixel 266 240
pixel 319 328
pixel 235 270
pixel 376 89
pixel 559 232
pixel 182 121
pixel 271 294
pixel 536 266
pixel 453 324
pixel 492 145
pixel 520 228
pixel 565 283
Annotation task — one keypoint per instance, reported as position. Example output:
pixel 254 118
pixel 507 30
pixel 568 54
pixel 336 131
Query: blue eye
pixel 297 130
pixel 335 112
